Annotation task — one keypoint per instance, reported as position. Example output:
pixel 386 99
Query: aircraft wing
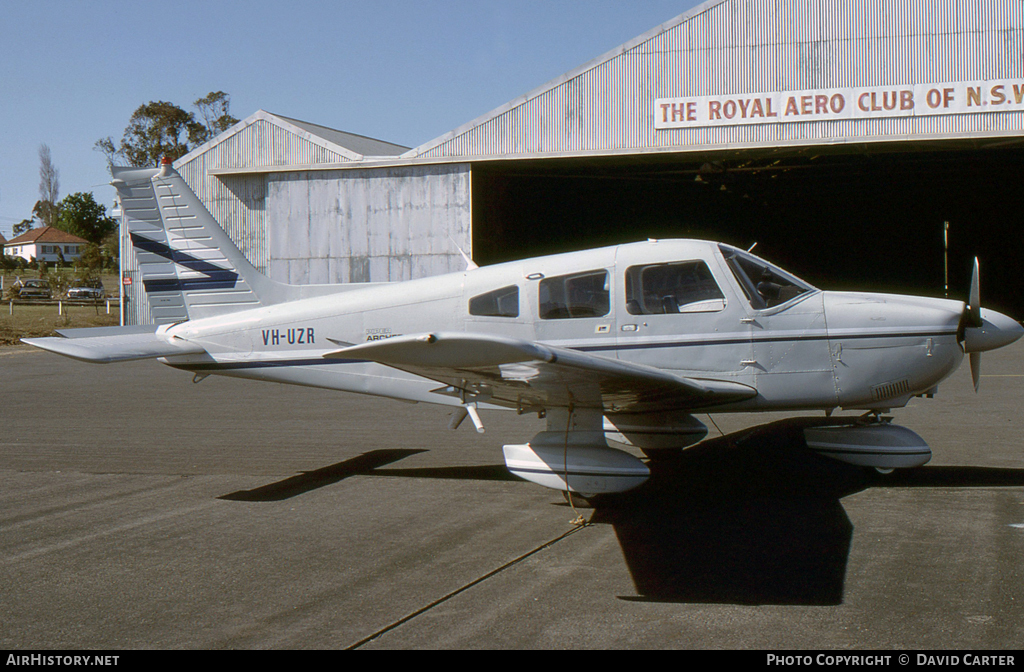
pixel 529 376
pixel 116 344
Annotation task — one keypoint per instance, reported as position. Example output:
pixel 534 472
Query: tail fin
pixel 188 266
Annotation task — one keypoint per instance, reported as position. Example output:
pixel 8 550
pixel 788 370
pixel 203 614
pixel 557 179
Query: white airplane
pixel 617 346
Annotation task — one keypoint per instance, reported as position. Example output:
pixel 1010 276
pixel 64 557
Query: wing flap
pixel 445 350
pixel 525 374
pixel 115 344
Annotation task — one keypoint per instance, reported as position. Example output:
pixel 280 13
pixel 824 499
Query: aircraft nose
pixel 997 330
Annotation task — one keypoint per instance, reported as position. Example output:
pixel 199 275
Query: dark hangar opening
pixel 867 218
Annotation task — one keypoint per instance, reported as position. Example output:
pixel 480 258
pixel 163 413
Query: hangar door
pixel 869 217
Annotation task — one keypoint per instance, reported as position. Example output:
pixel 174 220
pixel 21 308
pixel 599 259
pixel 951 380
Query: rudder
pixel 187 265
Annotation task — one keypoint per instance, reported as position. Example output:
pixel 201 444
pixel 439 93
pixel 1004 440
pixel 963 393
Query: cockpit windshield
pixel 765 285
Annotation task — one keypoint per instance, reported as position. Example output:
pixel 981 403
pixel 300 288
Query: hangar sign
pixel 1004 95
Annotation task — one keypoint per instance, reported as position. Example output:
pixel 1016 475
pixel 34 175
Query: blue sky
pixel 72 72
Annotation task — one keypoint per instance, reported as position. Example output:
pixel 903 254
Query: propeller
pixel 981 329
pixel 976 369
pixel 971 319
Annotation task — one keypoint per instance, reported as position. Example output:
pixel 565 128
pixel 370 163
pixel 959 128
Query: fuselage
pixel 696 308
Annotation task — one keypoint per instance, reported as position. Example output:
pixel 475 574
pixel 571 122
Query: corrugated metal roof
pixel 357 143
pixel 266 139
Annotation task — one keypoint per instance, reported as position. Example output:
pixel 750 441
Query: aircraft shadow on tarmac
pixel 367 464
pixel 307 481
pixel 752 517
pixel 748 518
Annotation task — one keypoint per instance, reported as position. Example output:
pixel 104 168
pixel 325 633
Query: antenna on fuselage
pixel 470 264
pixel 751 248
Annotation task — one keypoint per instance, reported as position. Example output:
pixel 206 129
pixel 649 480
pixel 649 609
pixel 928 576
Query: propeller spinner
pixel 982 330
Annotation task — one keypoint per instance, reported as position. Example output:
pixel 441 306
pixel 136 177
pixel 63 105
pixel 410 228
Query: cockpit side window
pixel 502 302
pixel 683 287
pixel 764 285
pixel 572 296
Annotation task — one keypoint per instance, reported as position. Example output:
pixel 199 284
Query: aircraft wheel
pixel 884 471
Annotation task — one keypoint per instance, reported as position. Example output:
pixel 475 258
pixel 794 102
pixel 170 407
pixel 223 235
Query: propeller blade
pixel 971 317
pixel 974 299
pixel 976 369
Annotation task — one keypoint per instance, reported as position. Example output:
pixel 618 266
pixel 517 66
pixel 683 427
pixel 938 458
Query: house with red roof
pixel 46 244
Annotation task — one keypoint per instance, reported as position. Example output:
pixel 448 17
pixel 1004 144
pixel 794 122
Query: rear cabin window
pixel 572 296
pixel 502 302
pixel 683 287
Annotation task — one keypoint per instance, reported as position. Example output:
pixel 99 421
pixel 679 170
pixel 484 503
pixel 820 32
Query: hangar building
pixel 845 139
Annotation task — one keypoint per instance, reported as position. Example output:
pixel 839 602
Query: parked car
pixel 34 289
pixel 86 290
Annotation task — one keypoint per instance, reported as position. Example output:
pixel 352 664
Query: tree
pixel 82 216
pixel 91 258
pixel 155 130
pixel 46 209
pixel 161 129
pixel 214 110
pixel 46 212
pixel 23 226
pixel 107 148
pixel 158 130
pixel 111 249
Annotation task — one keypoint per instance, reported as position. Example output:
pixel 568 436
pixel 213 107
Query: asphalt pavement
pixel 141 510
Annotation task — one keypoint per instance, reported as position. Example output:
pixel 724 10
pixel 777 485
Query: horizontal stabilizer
pixel 116 344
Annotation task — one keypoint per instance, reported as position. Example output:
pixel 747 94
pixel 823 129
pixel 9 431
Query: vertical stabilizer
pixel 188 266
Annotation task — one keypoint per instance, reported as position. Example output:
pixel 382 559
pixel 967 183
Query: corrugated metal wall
pixel 369 225
pixel 752 46
pixel 238 201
